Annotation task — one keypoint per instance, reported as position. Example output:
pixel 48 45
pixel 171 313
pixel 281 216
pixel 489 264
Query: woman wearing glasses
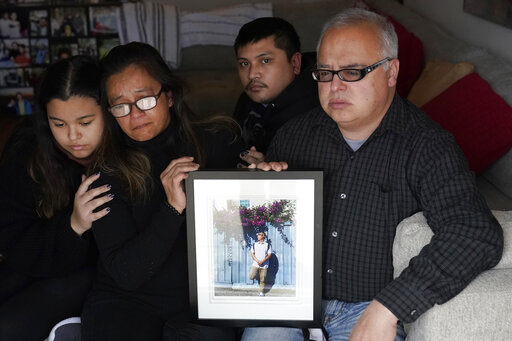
pixel 46 208
pixel 142 288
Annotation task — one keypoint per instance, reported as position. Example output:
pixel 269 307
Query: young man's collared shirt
pixel 408 165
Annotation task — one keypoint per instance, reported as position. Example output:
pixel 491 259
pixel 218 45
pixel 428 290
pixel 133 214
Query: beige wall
pixel 450 16
pixel 446 13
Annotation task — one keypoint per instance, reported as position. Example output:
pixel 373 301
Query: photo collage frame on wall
pixel 35 33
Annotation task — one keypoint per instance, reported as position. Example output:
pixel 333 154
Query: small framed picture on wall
pixel 105 45
pixel 39 25
pixel 103 20
pixel 69 22
pixel 14 53
pixel 14 23
pixel 63 50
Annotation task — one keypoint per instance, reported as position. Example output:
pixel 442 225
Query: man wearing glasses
pixel 275 89
pixel 383 160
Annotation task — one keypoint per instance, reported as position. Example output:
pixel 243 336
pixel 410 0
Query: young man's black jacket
pixel 260 123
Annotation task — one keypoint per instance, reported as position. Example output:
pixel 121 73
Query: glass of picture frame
pixel 235 277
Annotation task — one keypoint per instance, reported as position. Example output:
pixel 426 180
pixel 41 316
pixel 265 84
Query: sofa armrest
pixel 481 311
pixel 413 233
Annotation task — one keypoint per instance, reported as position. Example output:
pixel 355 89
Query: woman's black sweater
pixel 143 245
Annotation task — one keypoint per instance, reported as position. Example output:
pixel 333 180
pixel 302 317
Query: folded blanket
pixel 219 26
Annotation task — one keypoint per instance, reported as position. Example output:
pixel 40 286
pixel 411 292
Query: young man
pixel 275 89
pixel 383 160
pixel 261 251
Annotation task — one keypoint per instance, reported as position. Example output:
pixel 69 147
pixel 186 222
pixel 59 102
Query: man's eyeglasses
pixel 143 104
pixel 346 75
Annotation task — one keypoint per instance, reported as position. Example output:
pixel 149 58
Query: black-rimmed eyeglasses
pixel 143 104
pixel 346 75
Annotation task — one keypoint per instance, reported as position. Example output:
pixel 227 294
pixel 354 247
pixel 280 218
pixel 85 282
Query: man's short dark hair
pixel 285 36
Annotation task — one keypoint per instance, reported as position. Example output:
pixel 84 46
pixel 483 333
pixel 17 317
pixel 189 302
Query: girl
pixel 46 207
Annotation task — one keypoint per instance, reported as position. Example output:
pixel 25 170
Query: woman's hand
pixel 86 201
pixel 172 179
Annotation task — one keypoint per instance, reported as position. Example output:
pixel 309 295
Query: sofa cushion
pixel 480 312
pixel 480 120
pixel 437 76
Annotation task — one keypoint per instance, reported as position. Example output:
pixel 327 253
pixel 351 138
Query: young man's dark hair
pixel 285 36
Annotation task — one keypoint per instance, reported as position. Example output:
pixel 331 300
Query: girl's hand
pixel 172 180
pixel 252 156
pixel 86 201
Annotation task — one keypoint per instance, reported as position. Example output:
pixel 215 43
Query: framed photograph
pixel 103 20
pixel 33 76
pixel 39 24
pixel 105 45
pixel 30 2
pixel 40 51
pixel 16 101
pixel 14 23
pixel 254 241
pixel 69 22
pixel 14 53
pixel 12 78
pixel 68 2
pixel 63 50
pixel 87 46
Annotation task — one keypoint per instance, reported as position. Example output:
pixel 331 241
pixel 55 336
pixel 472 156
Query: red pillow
pixel 480 120
pixel 410 54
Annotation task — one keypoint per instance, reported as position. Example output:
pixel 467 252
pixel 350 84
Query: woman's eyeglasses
pixel 143 104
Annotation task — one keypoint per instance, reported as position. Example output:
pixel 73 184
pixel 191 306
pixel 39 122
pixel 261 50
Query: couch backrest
pixel 440 45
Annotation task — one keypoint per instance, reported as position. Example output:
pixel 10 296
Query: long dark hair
pixel 184 122
pixel 76 76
